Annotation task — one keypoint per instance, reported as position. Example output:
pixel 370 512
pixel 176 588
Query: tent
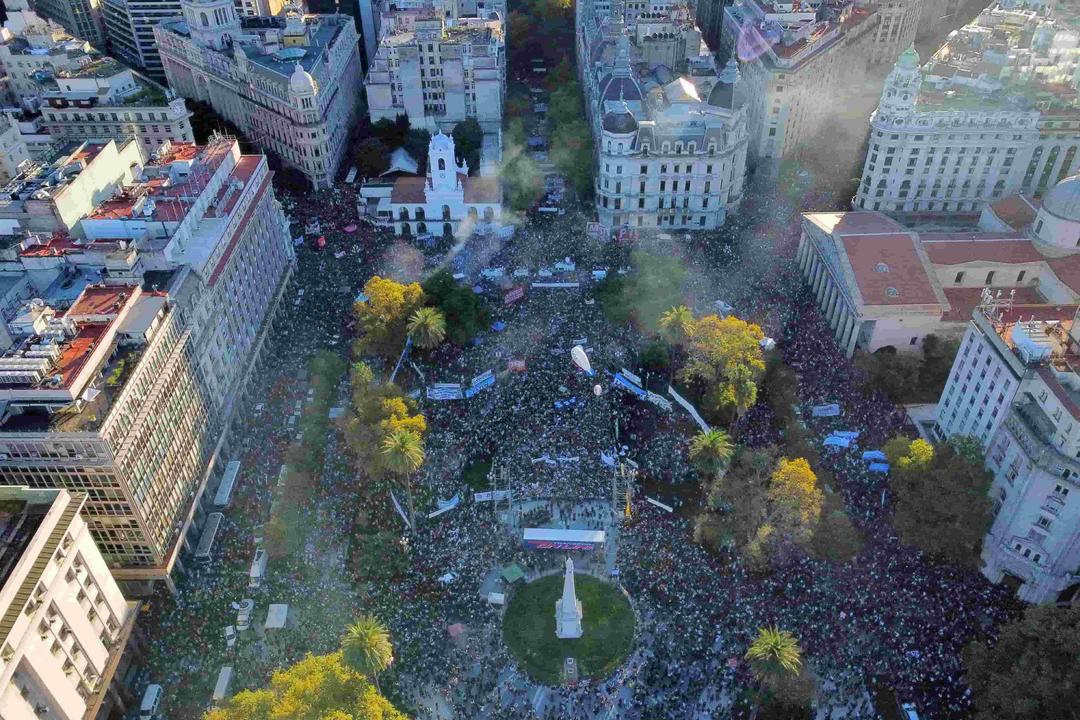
pixel 277 617
pixel 837 441
pixel 512 573
pixel 874 455
pixel 496 598
pixel 879 467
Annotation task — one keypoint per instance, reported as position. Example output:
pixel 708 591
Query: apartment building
pixel 1014 386
pixel 81 18
pixel 13 150
pixel 670 129
pixel 438 70
pixel 121 378
pixel 80 94
pixel 64 624
pixel 290 83
pixel 129 25
pixel 993 113
pixel 898 22
pixel 798 62
pixel 46 197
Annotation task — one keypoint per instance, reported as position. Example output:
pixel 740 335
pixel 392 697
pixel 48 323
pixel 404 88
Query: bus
pixel 203 552
pixel 225 487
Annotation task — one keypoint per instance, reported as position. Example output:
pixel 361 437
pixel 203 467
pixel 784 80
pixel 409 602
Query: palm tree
pixel 403 454
pixel 427 327
pixel 711 450
pixel 366 647
pixel 774 655
pixel 677 324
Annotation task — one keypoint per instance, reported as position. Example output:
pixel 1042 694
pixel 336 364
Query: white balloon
pixel 597 390
pixel 577 354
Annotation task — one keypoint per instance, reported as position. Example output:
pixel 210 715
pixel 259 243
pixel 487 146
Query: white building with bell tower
pixel 447 202
pixel 290 82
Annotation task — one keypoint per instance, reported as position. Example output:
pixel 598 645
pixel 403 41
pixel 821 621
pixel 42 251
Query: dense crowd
pixel 889 618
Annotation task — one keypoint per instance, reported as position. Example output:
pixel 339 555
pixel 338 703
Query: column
pixel 837 309
pixel 823 289
pixel 849 350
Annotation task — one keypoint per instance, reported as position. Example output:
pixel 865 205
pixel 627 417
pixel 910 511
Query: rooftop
pixel 888 269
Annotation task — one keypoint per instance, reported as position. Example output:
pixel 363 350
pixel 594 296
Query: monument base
pixel 568 625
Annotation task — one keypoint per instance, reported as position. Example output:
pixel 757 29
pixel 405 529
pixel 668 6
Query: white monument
pixel 568 608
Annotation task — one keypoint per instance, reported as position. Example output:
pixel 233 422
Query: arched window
pixel 473 215
pixel 205 22
pixel 489 214
pixel 445 212
pixel 421 228
pixel 442 163
pixel 447 230
pixel 404 214
pixel 406 230
pixel 420 214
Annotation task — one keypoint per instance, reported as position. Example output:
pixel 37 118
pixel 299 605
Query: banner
pixel 445 391
pixel 689 408
pixel 397 506
pixel 491 495
pixel 514 295
pixel 659 504
pixel 556 284
pixel 625 384
pixel 659 401
pixel 832 410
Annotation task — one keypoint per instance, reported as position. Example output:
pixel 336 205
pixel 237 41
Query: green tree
pixel 776 661
pixel 937 361
pixel 366 647
pixel 468 140
pixel 655 356
pixel 905 454
pixel 427 327
pixel 402 455
pixel 372 158
pixel 942 505
pixel 416 143
pixel 724 360
pixel 711 451
pixel 383 317
pixel 677 324
pixel 1032 669
pixel 835 537
pixel 892 373
pixel 465 312
pixel 319 687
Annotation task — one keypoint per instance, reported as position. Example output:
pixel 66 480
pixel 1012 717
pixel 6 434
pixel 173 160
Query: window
pixel 990 277
pixel 1020 275
pixel 959 278
pixel 914 341
pixel 1044 522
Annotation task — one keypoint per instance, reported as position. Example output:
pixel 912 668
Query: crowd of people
pixel 889 618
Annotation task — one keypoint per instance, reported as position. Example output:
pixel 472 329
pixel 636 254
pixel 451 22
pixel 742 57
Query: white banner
pixel 489 496
pixel 689 408
pixel 401 512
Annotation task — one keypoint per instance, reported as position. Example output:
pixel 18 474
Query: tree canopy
pixel 319 687
pixel 942 502
pixel 1032 669
pixel 383 318
pixel 724 360
pixel 468 139
pixel 465 312
pixel 653 287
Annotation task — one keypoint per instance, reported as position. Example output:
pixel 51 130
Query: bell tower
pixel 213 23
pixel 901 88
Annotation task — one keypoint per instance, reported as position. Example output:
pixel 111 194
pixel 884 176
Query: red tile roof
pixel 1067 270
pixel 78 351
pixel 481 190
pixel 1016 211
pixel 903 269
pixel 958 248
pixel 408 190
pixel 97 300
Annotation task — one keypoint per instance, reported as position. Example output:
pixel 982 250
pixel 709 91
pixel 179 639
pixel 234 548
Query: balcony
pixel 1034 432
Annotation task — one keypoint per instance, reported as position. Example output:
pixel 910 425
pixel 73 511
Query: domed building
pixel 670 131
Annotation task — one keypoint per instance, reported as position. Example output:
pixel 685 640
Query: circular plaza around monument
pixel 607 629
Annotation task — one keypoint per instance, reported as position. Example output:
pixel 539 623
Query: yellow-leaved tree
pixel 382 319
pixel 724 357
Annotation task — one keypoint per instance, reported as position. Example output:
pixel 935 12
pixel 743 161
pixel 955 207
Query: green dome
pixel 909 58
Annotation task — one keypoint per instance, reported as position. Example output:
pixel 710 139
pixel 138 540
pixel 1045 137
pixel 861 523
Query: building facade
pixel 129 25
pixel 992 114
pixel 791 57
pixel 77 93
pixel 81 18
pixel 64 624
pixel 135 381
pixel 670 129
pixel 438 70
pixel 446 202
pixel 289 83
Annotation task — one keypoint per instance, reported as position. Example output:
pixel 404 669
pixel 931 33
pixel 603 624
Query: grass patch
pixel 529 628
pixel 475 475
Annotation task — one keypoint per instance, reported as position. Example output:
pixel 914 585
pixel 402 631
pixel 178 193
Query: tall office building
pixel 125 389
pixel 290 82
pixel 129 25
pixel 81 18
pixel 64 624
